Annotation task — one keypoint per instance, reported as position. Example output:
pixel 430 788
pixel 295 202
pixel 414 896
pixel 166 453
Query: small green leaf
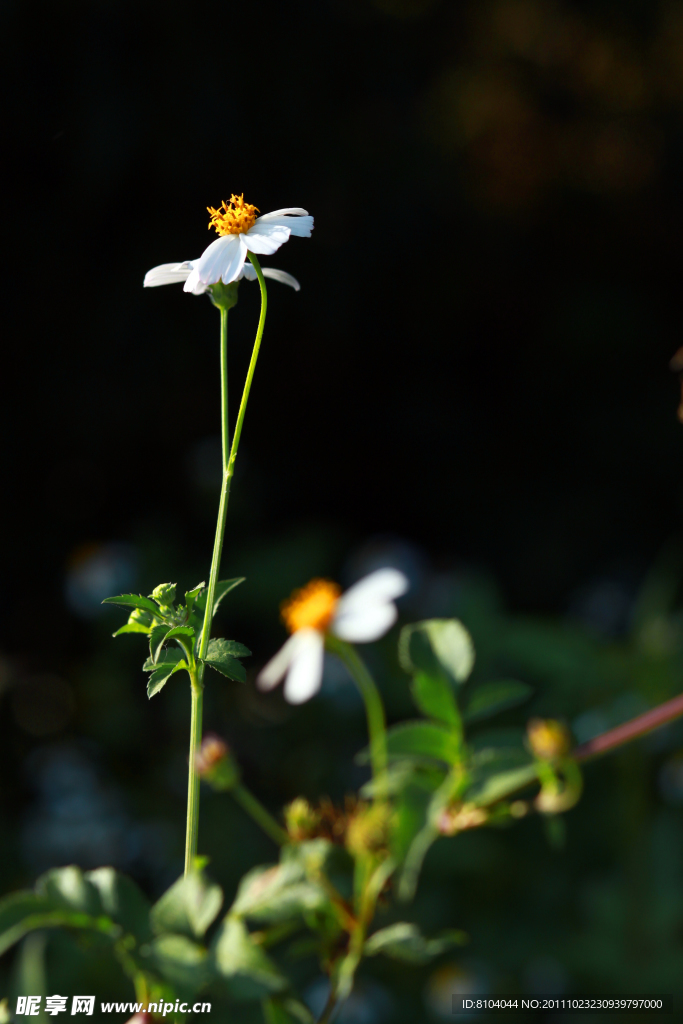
pixel 223 587
pixel 133 601
pixel 222 656
pixel 403 941
pixel 171 656
pixel 433 695
pixel 490 698
pixel 437 644
pixel 248 971
pixel 157 640
pixel 188 907
pixel 132 627
pixel 181 961
pixel 423 739
pixel 192 595
pixel 277 893
pixel 122 901
pixel 165 668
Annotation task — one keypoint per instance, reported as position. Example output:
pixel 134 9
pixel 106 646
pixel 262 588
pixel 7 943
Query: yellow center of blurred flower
pixel 548 739
pixel 312 607
pixel 233 217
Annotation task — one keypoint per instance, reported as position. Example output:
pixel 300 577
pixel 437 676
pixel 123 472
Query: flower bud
pixel 215 763
pixel 164 594
pixel 549 740
pixel 368 829
pixel 301 820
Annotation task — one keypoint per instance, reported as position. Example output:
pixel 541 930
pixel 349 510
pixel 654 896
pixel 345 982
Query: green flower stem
pixel 193 775
pixel 374 709
pixel 261 816
pixel 230 468
pixel 197 677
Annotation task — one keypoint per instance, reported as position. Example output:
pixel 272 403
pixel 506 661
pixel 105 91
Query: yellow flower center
pixel 233 217
pixel 312 607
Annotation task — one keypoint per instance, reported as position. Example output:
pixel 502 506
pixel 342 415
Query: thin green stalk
pixel 230 468
pixel 261 816
pixel 374 709
pixel 225 426
pixel 193 774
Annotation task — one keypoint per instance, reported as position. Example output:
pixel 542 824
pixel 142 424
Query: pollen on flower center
pixel 233 217
pixel 312 607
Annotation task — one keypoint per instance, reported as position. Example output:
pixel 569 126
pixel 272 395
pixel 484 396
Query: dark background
pixel 473 383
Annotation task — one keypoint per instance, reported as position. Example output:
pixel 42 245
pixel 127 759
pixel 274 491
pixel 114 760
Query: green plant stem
pixel 230 468
pixel 374 709
pixel 197 689
pixel 225 426
pixel 261 816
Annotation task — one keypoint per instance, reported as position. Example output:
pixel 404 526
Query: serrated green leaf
pixel 181 961
pixel 490 698
pixel 223 587
pixel 188 907
pixel 433 695
pixel 247 970
pixel 403 941
pixel 437 645
pixel 132 627
pixel 420 739
pixel 133 601
pixel 192 595
pixel 163 671
pixel 122 901
pixel 222 656
pixel 159 636
pixel 277 893
pixel 170 656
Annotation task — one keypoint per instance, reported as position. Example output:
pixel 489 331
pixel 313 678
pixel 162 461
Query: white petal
pixel 193 284
pixel 249 272
pixel 379 587
pixel 265 239
pixel 167 273
pixel 222 260
pixel 280 275
pixel 301 226
pixel 271 674
pixel 294 211
pixel 365 624
pixel 306 670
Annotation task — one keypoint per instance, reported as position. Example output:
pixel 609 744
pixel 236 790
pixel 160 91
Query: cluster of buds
pixel 216 765
pixel 302 821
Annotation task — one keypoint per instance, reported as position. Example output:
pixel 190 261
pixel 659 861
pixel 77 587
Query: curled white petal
pixel 306 668
pixel 280 275
pixel 365 624
pixel 276 669
pixel 167 273
pixel 193 283
pixel 300 226
pixel 379 587
pixel 289 211
pixel 265 239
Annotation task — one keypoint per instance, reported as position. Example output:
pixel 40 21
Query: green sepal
pixel 133 601
pixel 162 673
pixel 490 698
pixel 223 296
pixel 222 656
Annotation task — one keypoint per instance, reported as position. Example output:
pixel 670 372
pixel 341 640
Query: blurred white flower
pixel 364 613
pixel 177 273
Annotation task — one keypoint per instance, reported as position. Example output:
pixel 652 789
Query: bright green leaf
pixel 166 667
pixel 160 635
pixel 133 601
pixel 68 889
pixel 247 970
pixel 181 961
pixel 171 656
pixel 423 739
pixel 122 901
pixel 192 595
pixel 222 656
pixel 437 644
pixel 188 907
pixel 132 627
pixel 433 695
pixel 403 941
pixel 490 698
pixel 223 587
pixel 277 893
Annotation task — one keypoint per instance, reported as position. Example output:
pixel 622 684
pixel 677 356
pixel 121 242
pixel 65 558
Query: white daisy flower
pixel 364 613
pixel 241 231
pixel 177 273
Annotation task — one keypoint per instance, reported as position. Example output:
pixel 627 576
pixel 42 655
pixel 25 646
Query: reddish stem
pixel 639 726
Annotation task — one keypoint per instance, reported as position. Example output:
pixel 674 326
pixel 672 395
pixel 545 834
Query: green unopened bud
pixel 216 765
pixel 549 740
pixel 302 820
pixel 164 594
pixel 223 296
pixel 368 829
